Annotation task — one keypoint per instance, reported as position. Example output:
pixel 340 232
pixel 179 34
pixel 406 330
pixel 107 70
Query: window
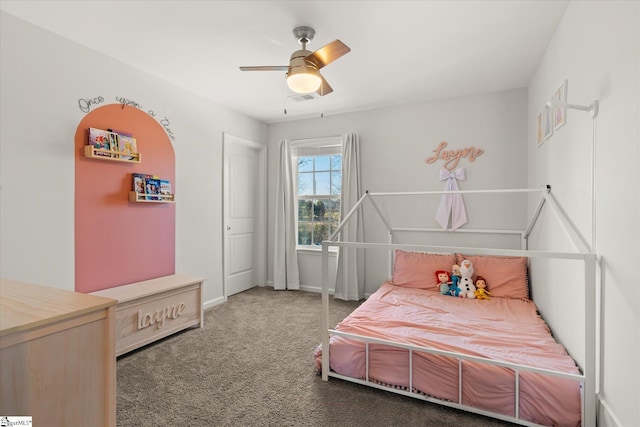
pixel 318 171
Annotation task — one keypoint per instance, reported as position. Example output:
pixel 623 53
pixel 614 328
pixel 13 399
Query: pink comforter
pixel 502 329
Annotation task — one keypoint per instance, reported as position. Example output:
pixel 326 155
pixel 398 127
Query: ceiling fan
pixel 303 75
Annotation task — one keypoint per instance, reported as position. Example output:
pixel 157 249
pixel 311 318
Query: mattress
pixel 509 330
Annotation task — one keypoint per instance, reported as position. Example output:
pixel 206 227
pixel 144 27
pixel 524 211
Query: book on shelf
pixel 127 147
pixel 114 144
pixel 152 186
pixel 139 185
pixel 100 139
pixel 165 190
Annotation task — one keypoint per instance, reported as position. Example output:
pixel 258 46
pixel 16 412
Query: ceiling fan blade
pixel 266 68
pixel 328 53
pixel 325 88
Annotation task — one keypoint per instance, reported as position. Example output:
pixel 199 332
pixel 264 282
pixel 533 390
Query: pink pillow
pixel 506 276
pixel 418 269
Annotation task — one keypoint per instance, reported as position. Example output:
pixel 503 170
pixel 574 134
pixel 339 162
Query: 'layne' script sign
pixel 452 157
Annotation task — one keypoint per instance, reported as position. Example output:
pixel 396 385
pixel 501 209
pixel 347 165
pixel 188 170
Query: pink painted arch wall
pixel 118 242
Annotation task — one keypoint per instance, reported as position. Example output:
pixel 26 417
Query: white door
pixel 243 227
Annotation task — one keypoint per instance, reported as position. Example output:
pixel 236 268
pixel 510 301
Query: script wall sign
pixel 452 157
pixel 85 105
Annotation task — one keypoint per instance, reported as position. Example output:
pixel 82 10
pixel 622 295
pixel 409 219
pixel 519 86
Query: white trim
pixel 319 141
pixel 315 289
pixel 315 250
pixel 213 302
pixel 261 231
pixel 316 146
pixel 609 412
pixel 313 147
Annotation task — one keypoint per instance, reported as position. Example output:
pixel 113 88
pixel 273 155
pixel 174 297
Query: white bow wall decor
pixel 451 205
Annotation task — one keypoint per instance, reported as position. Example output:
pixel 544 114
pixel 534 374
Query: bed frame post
pixel 589 392
pixel 391 260
pixel 324 316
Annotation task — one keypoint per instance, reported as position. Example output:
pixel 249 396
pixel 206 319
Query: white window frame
pixel 313 147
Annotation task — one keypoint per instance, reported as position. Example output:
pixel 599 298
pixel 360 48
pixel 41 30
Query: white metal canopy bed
pixel 526 378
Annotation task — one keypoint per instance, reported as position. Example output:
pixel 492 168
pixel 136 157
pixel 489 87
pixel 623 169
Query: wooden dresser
pixel 57 356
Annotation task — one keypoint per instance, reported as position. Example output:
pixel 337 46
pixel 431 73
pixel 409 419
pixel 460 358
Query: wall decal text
pixel 129 102
pixel 452 157
pixel 85 106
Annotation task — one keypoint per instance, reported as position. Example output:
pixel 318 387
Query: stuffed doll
pixel 455 279
pixel 481 288
pixel 466 285
pixel 444 278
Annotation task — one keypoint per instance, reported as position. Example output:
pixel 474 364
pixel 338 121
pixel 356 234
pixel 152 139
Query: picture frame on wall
pixel 547 120
pixel 560 112
pixel 540 129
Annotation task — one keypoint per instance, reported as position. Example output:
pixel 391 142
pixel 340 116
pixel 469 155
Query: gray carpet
pixel 252 365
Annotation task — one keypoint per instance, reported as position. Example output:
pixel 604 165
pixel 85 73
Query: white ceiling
pixel 401 51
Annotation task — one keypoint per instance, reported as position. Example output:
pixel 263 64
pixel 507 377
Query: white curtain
pixel 285 260
pixel 350 273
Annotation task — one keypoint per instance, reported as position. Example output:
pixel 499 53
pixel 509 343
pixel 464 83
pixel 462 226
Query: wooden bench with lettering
pixel 154 309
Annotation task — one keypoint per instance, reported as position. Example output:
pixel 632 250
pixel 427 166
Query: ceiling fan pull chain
pixel 321 102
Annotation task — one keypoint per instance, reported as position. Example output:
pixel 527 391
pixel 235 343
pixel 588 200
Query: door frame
pixel 261 208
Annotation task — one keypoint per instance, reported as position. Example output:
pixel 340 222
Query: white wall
pixel 597 48
pixel 42 78
pixel 395 143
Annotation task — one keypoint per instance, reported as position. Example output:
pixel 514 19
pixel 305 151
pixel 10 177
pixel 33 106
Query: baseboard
pixel 212 303
pixel 314 289
pixel 318 290
pixel 606 417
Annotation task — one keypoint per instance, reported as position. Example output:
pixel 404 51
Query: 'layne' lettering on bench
pixel 158 318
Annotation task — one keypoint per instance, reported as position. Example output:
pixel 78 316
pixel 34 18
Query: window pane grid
pixel 319 187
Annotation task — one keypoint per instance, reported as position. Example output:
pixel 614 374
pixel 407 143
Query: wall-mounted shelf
pixel 114 156
pixel 134 196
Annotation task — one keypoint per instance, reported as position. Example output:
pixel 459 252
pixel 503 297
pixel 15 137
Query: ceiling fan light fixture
pixel 303 71
pixel 303 79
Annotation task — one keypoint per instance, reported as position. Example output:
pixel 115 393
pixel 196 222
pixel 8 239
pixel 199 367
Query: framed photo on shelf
pixel 560 112
pixel 547 121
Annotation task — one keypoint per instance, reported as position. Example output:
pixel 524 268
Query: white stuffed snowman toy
pixel 467 288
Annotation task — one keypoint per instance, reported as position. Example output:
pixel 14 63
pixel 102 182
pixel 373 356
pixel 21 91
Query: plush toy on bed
pixel 466 285
pixel 481 288
pixel 455 279
pixel 444 279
